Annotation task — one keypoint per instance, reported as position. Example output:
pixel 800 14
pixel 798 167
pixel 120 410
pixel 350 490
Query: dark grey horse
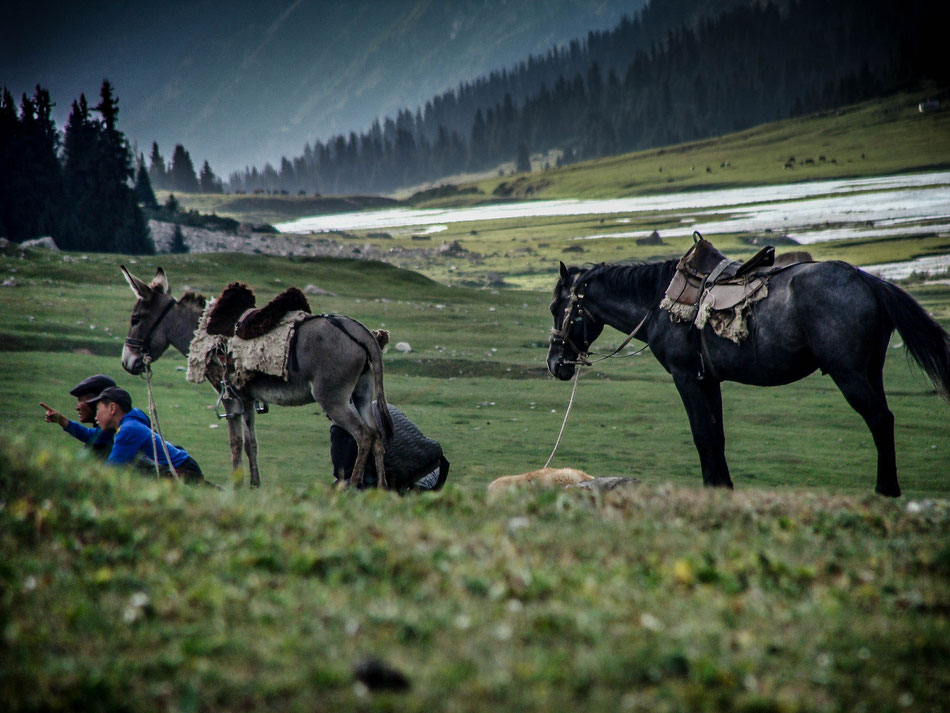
pixel 336 363
pixel 822 315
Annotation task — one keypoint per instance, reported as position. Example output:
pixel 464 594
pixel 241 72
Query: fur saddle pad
pixel 267 354
pixel 707 288
pixel 233 335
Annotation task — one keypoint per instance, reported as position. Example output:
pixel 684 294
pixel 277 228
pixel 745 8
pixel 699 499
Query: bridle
pixel 142 345
pixel 573 313
pixel 562 334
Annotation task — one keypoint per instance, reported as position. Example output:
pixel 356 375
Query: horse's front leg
pixel 250 443
pixel 703 402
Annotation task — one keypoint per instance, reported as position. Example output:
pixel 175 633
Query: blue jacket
pixel 97 441
pixel 133 442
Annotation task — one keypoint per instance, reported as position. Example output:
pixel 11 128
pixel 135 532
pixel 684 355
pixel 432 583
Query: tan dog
pixel 544 478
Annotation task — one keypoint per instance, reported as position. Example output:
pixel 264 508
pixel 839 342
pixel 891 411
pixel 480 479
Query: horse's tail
pixel 926 341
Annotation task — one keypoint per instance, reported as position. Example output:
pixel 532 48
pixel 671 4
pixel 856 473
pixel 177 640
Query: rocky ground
pixel 337 244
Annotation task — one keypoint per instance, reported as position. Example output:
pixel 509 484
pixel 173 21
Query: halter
pixel 142 344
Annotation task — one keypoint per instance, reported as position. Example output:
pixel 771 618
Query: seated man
pixel 133 444
pixel 412 461
pixel 98 442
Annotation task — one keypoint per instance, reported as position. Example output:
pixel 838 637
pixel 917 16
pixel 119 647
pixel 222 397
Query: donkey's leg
pixel 363 402
pixel 235 441
pixel 865 394
pixel 250 442
pixel 703 402
pixel 343 415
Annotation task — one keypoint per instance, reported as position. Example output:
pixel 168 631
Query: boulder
pixel 45 242
pixel 604 485
pixel 314 290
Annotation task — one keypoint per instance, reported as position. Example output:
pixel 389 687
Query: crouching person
pixel 132 443
pixel 412 461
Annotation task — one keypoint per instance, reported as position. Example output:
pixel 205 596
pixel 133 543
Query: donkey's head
pixel 147 328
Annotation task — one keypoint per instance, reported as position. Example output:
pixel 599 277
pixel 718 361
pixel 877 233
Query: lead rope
pixel 153 416
pixel 583 361
pixel 567 412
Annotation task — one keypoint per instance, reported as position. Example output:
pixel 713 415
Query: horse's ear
pixel 160 282
pixel 139 288
pixel 565 275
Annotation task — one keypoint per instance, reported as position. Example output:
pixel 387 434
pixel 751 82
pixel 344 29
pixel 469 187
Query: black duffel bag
pixel 413 461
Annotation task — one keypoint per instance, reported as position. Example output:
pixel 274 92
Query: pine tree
pixel 156 169
pixel 172 205
pixel 103 213
pixel 31 192
pixel 80 230
pixel 125 229
pixel 178 245
pixel 182 177
pixel 143 186
pixel 207 181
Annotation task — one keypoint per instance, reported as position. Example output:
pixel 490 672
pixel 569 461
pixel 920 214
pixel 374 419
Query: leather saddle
pixel 704 273
pixel 234 314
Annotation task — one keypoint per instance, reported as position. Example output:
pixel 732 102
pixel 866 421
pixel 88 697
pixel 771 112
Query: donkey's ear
pixel 160 281
pixel 139 288
pixel 565 275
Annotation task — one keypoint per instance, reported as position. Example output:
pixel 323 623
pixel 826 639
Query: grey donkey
pixel 336 363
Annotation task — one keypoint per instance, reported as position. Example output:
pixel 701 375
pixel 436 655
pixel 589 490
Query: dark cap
pixel 115 395
pixel 93 385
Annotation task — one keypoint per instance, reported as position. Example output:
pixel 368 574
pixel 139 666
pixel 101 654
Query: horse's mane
pixel 193 301
pixel 643 281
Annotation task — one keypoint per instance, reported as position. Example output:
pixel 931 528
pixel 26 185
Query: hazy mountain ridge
pixel 249 83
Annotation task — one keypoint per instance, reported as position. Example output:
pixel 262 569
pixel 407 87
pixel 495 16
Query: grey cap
pixel 93 385
pixel 115 395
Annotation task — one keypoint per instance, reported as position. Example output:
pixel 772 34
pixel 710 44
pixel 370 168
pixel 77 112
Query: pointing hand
pixel 54 416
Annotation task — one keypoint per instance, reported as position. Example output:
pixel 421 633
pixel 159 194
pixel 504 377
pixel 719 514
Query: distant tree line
pixel 75 188
pixel 645 83
pixel 179 174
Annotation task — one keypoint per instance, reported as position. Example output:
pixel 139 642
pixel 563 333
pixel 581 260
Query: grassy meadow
pixel 799 591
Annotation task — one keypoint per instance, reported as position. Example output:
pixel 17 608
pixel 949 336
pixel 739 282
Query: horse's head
pixel 146 330
pixel 574 328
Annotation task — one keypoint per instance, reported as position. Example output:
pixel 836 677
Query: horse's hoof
pixel 892 491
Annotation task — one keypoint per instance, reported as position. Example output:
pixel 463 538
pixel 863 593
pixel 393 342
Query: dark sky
pixel 247 81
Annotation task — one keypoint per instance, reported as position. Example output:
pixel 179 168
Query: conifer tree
pixel 143 186
pixel 31 190
pixel 207 181
pixel 156 169
pixel 178 245
pixel 103 213
pixel 182 177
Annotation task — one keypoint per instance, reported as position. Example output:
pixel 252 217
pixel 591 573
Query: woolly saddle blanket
pixel 216 352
